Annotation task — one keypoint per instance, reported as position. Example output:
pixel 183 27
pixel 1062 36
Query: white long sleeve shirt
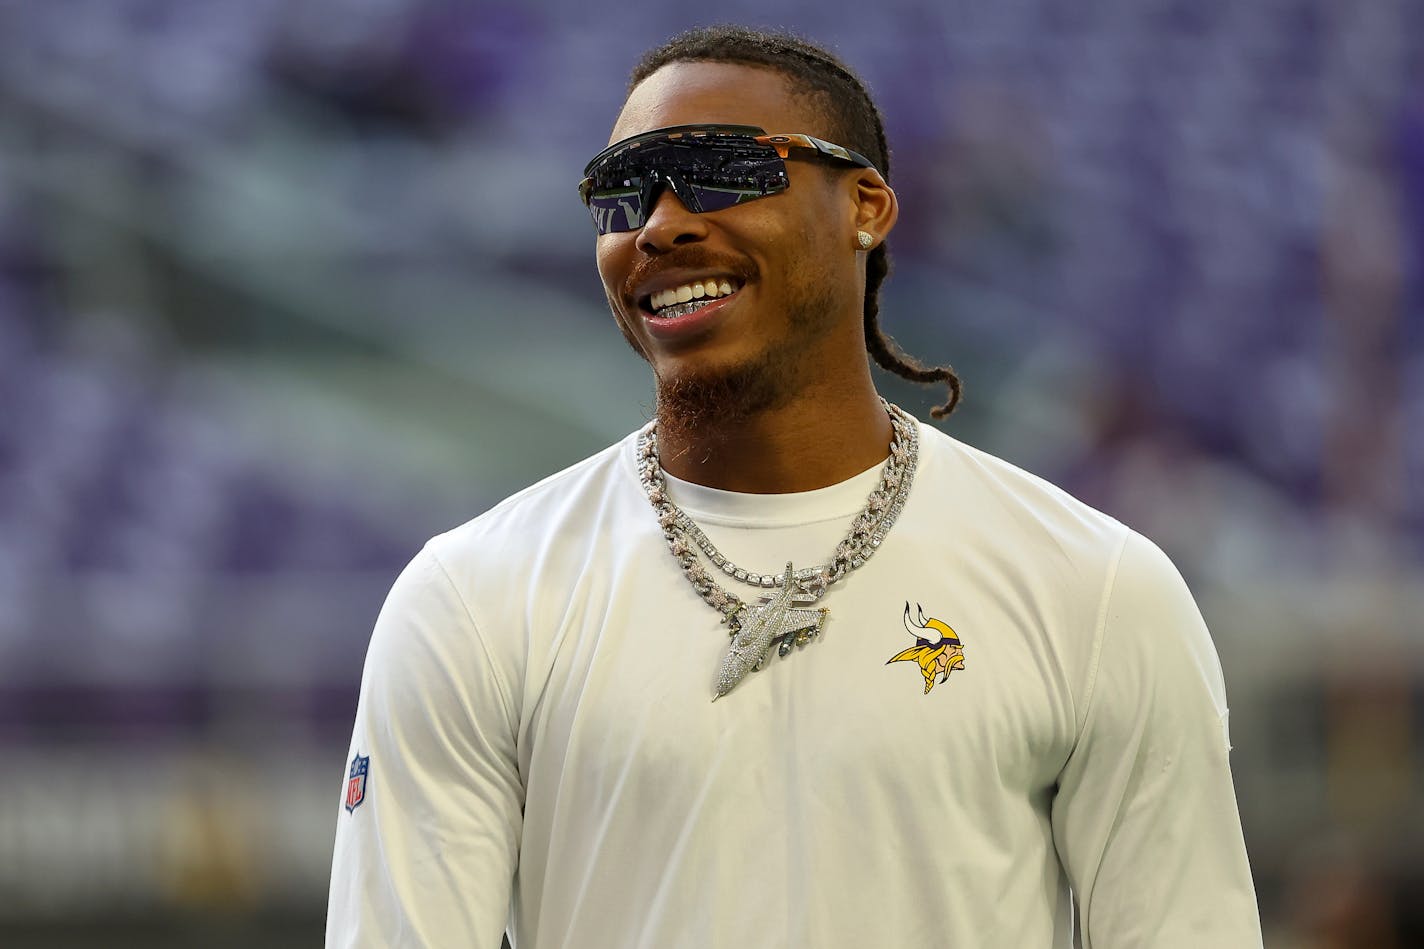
pixel 544 754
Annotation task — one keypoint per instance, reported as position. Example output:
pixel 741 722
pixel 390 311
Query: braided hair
pixel 853 121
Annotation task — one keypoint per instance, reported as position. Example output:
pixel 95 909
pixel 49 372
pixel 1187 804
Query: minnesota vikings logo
pixel 937 648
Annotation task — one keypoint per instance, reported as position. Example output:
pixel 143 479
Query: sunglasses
pixel 708 167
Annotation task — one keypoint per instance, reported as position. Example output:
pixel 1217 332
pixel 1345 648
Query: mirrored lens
pixel 617 208
pixel 715 197
pixel 707 173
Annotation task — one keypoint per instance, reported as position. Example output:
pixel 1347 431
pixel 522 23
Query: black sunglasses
pixel 708 167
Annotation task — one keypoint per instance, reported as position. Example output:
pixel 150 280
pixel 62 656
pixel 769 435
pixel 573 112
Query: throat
pixel 782 448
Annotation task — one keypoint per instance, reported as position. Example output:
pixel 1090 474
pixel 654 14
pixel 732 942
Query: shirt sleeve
pixel 427 856
pixel 1145 818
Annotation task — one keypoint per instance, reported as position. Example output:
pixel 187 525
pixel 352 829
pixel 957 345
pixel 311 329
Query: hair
pixel 852 120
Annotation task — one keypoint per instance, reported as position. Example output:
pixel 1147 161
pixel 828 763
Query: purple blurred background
pixel 287 288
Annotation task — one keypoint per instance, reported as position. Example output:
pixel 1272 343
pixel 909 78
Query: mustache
pixel 689 257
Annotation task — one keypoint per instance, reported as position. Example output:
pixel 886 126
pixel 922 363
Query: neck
pixel 818 437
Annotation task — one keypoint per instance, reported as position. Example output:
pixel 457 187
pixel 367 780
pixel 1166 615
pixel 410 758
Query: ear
pixel 877 209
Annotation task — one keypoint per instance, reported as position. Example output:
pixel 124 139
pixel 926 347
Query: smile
pixel 679 301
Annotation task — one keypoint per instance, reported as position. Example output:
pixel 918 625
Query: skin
pixel 796 408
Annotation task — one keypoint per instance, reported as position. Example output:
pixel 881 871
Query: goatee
pixel 703 406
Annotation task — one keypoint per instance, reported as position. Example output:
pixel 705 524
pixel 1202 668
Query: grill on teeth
pixel 708 289
pixel 681 309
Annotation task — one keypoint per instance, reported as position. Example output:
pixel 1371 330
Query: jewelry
pixel 781 618
pixel 864 239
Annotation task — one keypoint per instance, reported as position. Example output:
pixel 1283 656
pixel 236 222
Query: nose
pixel 669 224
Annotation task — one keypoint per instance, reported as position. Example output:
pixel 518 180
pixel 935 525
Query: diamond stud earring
pixel 864 239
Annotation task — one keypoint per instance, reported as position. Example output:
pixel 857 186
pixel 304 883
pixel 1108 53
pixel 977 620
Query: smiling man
pixel 785 667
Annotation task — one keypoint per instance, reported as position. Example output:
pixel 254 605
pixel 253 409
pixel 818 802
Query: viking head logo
pixel 937 647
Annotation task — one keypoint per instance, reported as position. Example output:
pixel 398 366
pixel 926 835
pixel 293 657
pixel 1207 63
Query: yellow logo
pixel 937 648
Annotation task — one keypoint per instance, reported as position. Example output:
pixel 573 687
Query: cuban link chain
pixel 782 618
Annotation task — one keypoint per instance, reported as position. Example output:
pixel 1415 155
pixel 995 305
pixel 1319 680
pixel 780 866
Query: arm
pixel 428 857
pixel 1145 817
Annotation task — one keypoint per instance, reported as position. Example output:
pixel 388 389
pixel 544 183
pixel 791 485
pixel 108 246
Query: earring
pixel 864 239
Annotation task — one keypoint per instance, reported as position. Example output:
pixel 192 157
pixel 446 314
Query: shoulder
pixel 569 500
pixel 1002 506
pixel 1151 621
pixel 516 565
pixel 1034 514
pixel 473 592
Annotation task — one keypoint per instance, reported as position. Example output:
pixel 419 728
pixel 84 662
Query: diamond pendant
pixel 780 620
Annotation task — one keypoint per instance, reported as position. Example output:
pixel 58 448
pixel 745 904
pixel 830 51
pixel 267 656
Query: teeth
pixel 682 309
pixel 710 288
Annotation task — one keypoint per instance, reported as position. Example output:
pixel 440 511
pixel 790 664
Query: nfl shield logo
pixel 356 781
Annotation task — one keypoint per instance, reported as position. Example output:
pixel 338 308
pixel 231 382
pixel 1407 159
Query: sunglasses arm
pixel 786 142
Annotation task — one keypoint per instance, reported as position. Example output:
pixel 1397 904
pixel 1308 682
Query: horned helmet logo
pixel 937 649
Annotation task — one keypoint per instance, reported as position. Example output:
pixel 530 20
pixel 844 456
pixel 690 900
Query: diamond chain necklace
pixel 782 617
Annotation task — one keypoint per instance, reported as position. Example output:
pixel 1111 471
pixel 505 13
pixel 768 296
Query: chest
pixel 925 679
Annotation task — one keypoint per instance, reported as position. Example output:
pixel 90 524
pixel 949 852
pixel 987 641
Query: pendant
pixel 779 620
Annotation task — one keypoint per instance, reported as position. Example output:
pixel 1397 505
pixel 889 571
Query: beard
pixel 705 403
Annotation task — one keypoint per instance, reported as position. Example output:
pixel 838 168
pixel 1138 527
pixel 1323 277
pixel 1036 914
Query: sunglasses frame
pixel 750 137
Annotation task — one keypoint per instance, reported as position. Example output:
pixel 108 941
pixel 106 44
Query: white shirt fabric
pixel 545 755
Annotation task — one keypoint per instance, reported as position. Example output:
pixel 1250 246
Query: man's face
pixel 794 316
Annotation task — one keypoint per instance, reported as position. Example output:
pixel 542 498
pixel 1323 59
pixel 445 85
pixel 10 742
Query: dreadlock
pixel 853 120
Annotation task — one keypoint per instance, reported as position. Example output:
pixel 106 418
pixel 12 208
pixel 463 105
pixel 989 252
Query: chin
pixel 699 394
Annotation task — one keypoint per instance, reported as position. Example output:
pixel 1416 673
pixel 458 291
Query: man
pixel 786 668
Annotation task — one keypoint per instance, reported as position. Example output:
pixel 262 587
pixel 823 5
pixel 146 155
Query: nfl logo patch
pixel 356 781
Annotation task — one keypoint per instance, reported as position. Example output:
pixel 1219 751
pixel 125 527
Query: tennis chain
pixel 781 617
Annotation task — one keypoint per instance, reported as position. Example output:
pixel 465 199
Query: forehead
pixel 722 93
